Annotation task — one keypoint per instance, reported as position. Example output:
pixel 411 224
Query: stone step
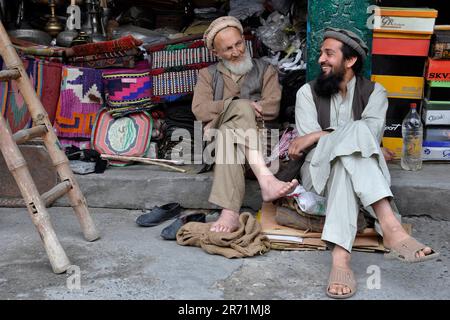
pixel 426 192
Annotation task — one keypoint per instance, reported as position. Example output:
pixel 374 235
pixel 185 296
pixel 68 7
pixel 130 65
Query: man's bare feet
pixel 341 260
pixel 227 222
pixel 272 188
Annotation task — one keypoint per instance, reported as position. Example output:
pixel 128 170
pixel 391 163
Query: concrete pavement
pixel 425 192
pixel 130 262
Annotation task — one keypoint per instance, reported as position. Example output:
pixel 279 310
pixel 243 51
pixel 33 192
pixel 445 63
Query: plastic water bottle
pixel 412 133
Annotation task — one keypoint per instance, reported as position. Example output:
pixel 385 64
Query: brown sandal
pixel 406 250
pixel 343 277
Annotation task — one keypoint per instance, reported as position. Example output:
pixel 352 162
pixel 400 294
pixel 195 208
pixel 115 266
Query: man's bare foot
pixel 341 260
pixel 227 222
pixel 272 188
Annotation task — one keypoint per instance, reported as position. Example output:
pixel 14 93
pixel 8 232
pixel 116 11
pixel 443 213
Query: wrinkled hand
pixel 298 145
pixel 257 108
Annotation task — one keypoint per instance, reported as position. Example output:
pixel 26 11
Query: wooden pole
pixel 40 117
pixel 142 160
pixel 36 207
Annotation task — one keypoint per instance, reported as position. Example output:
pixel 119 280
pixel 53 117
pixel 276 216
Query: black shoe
pixel 170 232
pixel 157 215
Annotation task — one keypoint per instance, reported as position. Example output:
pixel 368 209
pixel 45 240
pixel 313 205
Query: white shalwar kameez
pixel 347 166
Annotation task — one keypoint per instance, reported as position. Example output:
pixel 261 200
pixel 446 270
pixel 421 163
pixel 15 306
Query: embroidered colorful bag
pixel 125 136
pixel 128 87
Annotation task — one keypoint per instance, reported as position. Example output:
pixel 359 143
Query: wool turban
pixel 218 25
pixel 348 37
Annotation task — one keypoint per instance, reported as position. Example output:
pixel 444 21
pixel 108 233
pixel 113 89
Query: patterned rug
pixel 46 78
pixel 175 68
pixel 80 99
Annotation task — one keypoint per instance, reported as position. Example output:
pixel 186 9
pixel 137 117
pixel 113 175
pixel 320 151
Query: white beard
pixel 240 68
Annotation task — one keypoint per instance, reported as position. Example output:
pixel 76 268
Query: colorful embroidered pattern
pixel 127 88
pixel 175 68
pixel 80 100
pixel 46 78
pixel 174 84
pixel 14 108
pixel 128 136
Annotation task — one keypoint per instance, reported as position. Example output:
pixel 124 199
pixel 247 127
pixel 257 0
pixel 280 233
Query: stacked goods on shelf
pixel 401 42
pixel 436 111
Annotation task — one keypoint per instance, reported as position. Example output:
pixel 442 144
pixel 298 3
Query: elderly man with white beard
pixel 228 97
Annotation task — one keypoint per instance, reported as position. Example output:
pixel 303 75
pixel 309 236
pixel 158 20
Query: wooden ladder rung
pixel 56 192
pixel 48 197
pixel 24 135
pixel 11 74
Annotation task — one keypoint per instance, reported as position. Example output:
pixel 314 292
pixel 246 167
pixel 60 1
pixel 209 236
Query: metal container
pixel 65 38
pixel 32 35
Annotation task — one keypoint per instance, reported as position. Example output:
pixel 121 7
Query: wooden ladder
pixel 36 204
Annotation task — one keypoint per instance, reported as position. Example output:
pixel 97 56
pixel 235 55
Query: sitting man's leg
pixel 364 186
pixel 355 179
pixel 228 189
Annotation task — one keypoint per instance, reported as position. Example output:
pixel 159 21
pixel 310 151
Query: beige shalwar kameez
pixel 233 114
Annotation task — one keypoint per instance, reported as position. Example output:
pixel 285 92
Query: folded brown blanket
pixel 244 242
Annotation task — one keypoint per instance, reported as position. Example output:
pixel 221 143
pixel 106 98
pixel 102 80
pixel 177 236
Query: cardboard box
pixel 395 145
pixel 437 90
pixel 437 133
pixel 400 47
pixel 401 87
pixel 399 108
pixel 438 70
pixel 440 48
pixel 405 20
pixel 395 65
pixel 436 150
pixel 436 112
pixel 393 128
pixel 390 35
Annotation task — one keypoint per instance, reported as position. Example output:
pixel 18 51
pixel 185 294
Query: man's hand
pixel 298 145
pixel 388 154
pixel 257 108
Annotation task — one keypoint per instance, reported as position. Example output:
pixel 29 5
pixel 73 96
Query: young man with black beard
pixel 342 116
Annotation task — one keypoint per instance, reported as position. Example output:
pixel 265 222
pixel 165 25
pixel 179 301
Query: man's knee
pixel 242 108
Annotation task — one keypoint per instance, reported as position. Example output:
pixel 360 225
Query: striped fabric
pixel 181 57
pixel 46 79
pixel 127 88
pixel 175 68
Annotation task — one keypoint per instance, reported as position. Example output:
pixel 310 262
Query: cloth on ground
pixel 247 241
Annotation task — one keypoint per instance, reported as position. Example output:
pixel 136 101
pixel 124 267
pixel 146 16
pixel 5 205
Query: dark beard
pixel 327 85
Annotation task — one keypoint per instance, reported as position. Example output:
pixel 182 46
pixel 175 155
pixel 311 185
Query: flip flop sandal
pixel 406 250
pixel 343 277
